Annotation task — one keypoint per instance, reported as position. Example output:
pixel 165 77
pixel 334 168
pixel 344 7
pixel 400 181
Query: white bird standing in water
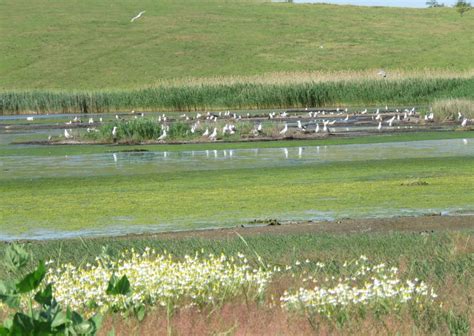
pixel 390 121
pixel 67 135
pixel 325 125
pixel 284 130
pixel 299 125
pixel 317 128
pixel 139 15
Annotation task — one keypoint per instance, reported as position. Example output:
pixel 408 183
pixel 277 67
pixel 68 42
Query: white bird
pixel 30 118
pixel 380 126
pixel 284 130
pixel 91 120
pixel 325 125
pixel 299 125
pixel 382 73
pixel 464 122
pixel 317 128
pixel 459 115
pixel 206 132
pixel 390 121
pixel 225 129
pixel 259 128
pixel 100 119
pixel 346 118
pixel 114 131
pixel 163 135
pixel 137 16
pixel 213 134
pixel 364 112
pixel 115 157
pixel 67 135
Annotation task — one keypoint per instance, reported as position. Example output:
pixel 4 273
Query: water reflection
pixel 147 162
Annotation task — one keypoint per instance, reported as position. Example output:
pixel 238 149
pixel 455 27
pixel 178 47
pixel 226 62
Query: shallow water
pixel 135 163
pixel 160 162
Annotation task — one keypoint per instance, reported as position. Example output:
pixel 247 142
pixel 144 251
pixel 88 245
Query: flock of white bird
pixel 206 124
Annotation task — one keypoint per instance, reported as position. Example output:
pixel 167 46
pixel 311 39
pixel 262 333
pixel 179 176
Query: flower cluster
pixel 157 279
pixel 364 284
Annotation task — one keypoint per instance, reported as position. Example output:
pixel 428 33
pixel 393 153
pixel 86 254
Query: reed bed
pixel 240 96
pixel 449 109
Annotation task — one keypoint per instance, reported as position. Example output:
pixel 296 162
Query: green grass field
pixel 88 57
pixel 92 45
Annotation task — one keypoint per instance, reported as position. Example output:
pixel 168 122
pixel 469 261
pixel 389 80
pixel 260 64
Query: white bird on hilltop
pixel 139 15
pixel 284 130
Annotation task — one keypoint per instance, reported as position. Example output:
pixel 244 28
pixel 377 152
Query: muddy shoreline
pixel 423 225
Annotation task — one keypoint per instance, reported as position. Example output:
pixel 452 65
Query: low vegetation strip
pixel 239 96
pixel 420 279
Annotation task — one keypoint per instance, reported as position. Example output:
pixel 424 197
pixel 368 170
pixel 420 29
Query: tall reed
pixel 240 96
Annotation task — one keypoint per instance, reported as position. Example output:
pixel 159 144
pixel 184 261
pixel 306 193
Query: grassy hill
pixel 89 45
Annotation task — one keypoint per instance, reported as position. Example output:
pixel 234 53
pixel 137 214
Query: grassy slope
pixel 89 44
pixel 192 199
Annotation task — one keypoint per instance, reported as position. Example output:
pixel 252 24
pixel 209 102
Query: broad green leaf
pixel 140 312
pixel 8 294
pixel 32 280
pixel 22 325
pixel 44 297
pixel 4 331
pixel 59 320
pixel 97 321
pixel 85 328
pixel 16 257
pixel 116 287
